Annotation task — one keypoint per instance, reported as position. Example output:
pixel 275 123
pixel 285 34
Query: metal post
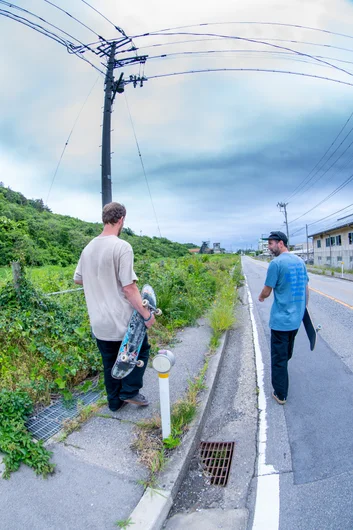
pixel 284 205
pixel 106 140
pixel 307 245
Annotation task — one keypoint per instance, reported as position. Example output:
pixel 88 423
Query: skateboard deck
pixel 131 344
pixel 310 329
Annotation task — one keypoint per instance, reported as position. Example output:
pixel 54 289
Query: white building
pixel 334 245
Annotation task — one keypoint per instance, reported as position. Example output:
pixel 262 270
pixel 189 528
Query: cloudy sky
pixel 220 148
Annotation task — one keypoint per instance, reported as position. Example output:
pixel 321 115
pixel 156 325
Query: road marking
pixel 266 515
pixel 331 298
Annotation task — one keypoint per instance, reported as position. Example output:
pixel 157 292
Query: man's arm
pixel 265 293
pixel 78 281
pixel 134 297
pixel 307 294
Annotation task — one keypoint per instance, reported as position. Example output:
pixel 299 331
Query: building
pixel 304 251
pixel 334 245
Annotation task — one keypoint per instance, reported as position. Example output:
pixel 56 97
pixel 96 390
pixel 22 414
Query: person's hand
pixel 261 299
pixel 151 321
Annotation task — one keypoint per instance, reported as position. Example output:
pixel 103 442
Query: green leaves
pixel 15 441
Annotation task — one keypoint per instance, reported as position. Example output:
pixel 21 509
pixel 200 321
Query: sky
pixel 220 149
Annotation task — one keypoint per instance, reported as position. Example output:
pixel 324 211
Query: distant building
pixel 263 245
pixel 216 248
pixel 334 245
pixel 304 251
pixel 194 250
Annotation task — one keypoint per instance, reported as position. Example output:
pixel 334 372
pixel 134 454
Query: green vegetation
pixel 31 233
pixel 46 347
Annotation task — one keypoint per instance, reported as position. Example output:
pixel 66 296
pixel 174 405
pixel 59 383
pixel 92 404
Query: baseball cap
pixel 278 236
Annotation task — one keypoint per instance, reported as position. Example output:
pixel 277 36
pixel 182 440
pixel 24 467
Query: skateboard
pixel 311 331
pixel 131 344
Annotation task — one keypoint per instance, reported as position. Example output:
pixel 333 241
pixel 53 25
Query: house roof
pixel 340 223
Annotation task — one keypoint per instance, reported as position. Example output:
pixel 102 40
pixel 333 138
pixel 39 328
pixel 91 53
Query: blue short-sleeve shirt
pixel 288 277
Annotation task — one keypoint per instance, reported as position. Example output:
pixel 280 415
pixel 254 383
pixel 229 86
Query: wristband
pixel 148 319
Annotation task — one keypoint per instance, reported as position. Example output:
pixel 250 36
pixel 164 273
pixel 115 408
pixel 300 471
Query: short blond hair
pixel 113 212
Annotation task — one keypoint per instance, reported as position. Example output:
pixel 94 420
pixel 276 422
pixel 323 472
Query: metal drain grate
pixel 216 458
pixel 50 420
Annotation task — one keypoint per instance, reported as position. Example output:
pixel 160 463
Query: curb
pixel 155 504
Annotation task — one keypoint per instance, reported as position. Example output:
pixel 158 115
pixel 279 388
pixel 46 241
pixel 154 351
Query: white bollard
pixel 165 404
pixel 342 269
pixel 162 363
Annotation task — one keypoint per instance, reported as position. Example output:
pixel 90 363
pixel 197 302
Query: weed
pixel 124 523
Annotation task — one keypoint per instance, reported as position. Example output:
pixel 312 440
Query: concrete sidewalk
pixel 97 482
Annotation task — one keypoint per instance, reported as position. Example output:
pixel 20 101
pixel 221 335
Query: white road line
pixel 266 516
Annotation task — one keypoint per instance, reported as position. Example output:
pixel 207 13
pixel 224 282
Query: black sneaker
pixel 139 399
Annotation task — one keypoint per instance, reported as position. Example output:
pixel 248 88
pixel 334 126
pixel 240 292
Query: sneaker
pixel 280 401
pixel 139 399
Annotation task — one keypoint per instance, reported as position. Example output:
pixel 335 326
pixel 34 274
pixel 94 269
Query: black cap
pixel 278 236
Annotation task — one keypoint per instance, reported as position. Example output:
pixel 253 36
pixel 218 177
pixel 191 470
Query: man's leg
pixel 109 352
pixel 132 383
pixel 292 335
pixel 279 362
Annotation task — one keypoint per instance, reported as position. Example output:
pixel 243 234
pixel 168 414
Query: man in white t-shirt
pixel 106 271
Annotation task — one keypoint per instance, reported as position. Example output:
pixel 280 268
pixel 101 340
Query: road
pixel 304 477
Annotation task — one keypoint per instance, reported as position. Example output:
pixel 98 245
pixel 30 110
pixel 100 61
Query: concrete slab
pixel 210 520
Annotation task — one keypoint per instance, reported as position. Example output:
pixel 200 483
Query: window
pixel 328 259
pixel 338 241
pixel 350 238
pixel 327 241
pixel 339 259
pixel 318 242
pixel 319 258
pixel 333 241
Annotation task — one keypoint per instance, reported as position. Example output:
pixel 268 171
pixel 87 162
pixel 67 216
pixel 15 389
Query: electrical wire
pixel 257 41
pixel 142 164
pixel 73 18
pixel 68 139
pixel 107 19
pixel 259 23
pixel 323 156
pixel 334 192
pixel 265 70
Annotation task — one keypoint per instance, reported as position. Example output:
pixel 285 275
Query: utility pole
pixel 284 205
pixel 111 89
pixel 307 245
pixel 106 143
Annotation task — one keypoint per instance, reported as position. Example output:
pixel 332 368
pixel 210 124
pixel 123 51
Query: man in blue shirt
pixel 287 277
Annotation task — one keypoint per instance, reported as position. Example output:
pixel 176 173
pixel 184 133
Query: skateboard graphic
pixel 131 344
pixel 311 331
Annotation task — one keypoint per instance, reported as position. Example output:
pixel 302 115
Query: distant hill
pixel 31 232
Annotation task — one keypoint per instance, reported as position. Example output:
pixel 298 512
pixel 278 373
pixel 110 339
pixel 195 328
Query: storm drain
pixel 216 458
pixel 49 421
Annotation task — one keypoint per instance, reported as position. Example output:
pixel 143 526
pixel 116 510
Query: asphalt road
pixel 304 478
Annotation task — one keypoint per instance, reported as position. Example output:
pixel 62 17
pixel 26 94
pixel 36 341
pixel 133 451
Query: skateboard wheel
pixel 318 327
pixel 124 358
pixel 145 303
pixel 140 364
pixel 158 312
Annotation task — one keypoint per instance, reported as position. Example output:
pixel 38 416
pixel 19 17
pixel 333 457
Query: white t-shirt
pixel 105 267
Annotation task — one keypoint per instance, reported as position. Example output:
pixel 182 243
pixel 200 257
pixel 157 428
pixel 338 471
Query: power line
pixel 105 18
pixel 142 164
pixel 73 18
pixel 339 188
pixel 257 41
pixel 302 185
pixel 265 70
pixel 68 139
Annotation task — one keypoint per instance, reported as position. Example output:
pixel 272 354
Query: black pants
pixel 282 344
pixel 129 386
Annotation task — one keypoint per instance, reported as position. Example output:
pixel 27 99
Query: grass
pixel 124 523
pixel 75 424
